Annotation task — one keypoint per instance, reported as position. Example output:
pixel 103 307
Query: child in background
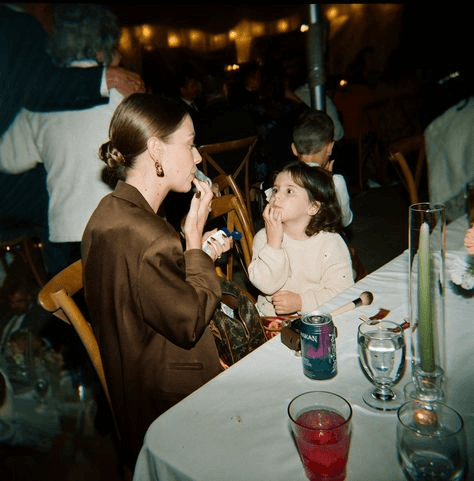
pixel 313 141
pixel 299 260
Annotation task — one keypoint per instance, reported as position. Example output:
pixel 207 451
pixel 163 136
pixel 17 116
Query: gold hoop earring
pixel 159 169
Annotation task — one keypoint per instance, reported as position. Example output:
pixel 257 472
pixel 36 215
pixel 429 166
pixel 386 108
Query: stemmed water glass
pixel 382 358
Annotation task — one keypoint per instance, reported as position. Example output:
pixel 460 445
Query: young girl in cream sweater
pixel 299 260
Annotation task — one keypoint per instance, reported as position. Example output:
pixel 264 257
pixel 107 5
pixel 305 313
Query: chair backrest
pixel 229 207
pixel 398 155
pixel 56 297
pixel 247 145
pixel 227 185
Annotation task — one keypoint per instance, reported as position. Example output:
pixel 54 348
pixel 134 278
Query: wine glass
pixel 382 358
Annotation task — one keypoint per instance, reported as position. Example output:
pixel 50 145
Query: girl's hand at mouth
pixel 273 225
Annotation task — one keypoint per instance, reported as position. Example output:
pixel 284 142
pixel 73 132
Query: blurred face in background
pixel 19 301
pixel 191 89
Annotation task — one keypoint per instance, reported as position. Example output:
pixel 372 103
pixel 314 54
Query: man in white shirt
pixel 67 142
pixel 29 79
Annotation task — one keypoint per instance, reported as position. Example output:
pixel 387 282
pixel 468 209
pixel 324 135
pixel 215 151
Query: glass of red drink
pixel 321 424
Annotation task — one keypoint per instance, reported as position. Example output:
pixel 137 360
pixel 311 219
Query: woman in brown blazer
pixel 149 302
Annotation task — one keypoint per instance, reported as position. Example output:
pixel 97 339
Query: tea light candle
pixel 425 417
pixel 425 314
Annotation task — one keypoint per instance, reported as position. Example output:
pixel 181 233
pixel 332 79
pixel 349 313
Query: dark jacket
pixel 28 77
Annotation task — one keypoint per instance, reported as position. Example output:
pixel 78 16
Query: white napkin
pixel 459 263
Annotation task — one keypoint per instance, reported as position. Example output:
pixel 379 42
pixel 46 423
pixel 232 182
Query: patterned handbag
pixel 236 324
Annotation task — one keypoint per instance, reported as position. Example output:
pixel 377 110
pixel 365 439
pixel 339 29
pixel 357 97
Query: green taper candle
pixel 425 307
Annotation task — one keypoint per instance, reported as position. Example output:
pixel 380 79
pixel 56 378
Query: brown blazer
pixel 150 307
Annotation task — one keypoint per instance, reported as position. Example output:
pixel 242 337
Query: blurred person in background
pixel 84 36
pixel 30 79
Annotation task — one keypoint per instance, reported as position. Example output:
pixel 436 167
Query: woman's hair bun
pixel 111 155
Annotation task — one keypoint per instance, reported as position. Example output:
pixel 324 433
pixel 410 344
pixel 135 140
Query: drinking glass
pixel 321 424
pixel 431 442
pixel 382 358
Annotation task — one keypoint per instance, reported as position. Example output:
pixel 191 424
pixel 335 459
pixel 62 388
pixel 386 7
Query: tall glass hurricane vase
pixel 427 249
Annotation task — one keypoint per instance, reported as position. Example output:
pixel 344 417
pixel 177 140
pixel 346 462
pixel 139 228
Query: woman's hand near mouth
pixel 197 215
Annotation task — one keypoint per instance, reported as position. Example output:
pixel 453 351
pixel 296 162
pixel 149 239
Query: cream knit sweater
pixel 318 268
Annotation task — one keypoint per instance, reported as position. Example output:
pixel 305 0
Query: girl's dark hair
pixel 135 120
pixel 319 185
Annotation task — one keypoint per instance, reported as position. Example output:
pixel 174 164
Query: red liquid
pixel 324 452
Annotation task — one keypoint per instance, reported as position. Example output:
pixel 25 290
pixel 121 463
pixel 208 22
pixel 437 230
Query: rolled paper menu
pixel 425 307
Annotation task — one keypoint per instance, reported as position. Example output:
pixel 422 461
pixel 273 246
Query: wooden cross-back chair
pixel 398 152
pixel 229 207
pixel 227 185
pixel 246 145
pixel 56 296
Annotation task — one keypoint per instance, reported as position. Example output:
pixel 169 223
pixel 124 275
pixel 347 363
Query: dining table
pixel 236 426
pixel 31 421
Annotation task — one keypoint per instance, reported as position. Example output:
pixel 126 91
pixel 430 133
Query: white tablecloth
pixel 236 426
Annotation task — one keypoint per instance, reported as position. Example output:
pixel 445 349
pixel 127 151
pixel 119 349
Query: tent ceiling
pixel 214 18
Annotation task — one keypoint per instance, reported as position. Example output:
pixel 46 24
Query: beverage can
pixel 318 346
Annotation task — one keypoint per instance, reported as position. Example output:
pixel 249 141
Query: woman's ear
pixel 154 147
pixel 314 207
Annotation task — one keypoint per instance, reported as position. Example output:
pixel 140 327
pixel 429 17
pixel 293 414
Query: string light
pixel 232 68
pixel 173 40
pixel 147 32
pixel 283 25
pixel 244 33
